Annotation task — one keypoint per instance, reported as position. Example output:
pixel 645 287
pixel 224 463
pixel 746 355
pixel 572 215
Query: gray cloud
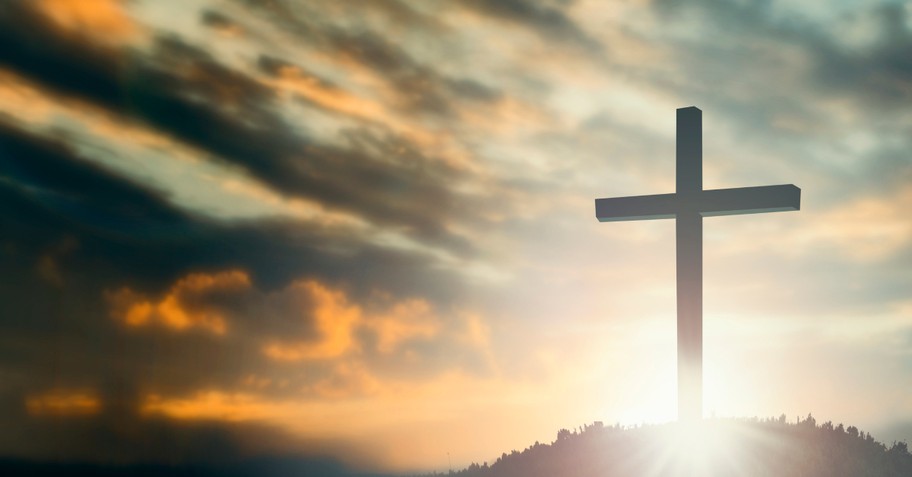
pixel 127 235
pixel 826 91
pixel 230 114
pixel 549 21
pixel 419 86
pixel 106 233
pixel 878 73
pixel 217 20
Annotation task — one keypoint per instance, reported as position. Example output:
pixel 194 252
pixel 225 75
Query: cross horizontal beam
pixel 708 203
pixel 640 207
pixel 749 200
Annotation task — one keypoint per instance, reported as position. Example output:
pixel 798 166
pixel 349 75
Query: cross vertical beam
pixel 689 152
pixel 689 257
pixel 689 244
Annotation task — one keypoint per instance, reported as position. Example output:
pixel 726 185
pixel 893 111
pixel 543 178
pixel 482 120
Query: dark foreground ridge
pixel 263 467
pixel 717 447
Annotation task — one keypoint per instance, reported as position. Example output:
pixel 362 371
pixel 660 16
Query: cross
pixel 688 206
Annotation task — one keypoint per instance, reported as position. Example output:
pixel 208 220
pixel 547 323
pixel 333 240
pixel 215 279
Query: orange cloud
pixel 103 20
pixel 372 103
pixel 348 379
pixel 192 177
pixel 333 325
pixel 408 422
pixel 294 79
pixel 65 403
pixel 210 405
pixel 48 267
pixel 870 228
pixel 863 229
pixel 335 320
pixel 477 333
pixel 256 382
pixel 405 321
pixel 178 309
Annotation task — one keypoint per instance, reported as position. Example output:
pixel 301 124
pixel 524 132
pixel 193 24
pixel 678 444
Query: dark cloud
pixel 880 72
pixel 423 88
pixel 68 63
pixel 120 437
pixel 827 88
pixel 127 234
pixel 397 12
pixel 549 21
pixel 217 20
pixel 420 88
pixel 106 233
pixel 184 92
pixel 51 193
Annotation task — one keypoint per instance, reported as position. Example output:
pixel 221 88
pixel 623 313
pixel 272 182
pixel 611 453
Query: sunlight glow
pixel 694 446
pixel 708 447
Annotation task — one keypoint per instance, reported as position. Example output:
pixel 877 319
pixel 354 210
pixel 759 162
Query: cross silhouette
pixel 688 206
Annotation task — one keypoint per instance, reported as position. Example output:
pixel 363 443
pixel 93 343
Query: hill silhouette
pixel 716 447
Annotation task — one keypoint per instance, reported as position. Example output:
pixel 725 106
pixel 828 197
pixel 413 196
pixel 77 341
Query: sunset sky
pixel 365 229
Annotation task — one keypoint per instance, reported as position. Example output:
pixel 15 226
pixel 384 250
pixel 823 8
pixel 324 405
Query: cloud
pixel 180 309
pixel 184 92
pixel 422 87
pixel 220 22
pixel 394 414
pixel 348 379
pixel 81 426
pixel 867 229
pixel 321 91
pixel 102 20
pixel 47 265
pixel 204 389
pixel 211 405
pixel 233 117
pixel 54 189
pixel 873 74
pixel 334 320
pixel 326 323
pixel 550 21
pixel 164 269
pixel 338 322
pixel 63 403
pixel 405 321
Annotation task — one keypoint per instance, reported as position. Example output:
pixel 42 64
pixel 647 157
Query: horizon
pixel 364 230
pixel 710 446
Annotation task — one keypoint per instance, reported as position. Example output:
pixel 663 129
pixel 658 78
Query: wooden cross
pixel 688 206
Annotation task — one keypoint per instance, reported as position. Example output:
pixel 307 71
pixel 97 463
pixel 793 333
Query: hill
pixel 745 447
pixel 717 447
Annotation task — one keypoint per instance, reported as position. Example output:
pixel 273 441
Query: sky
pixel 365 229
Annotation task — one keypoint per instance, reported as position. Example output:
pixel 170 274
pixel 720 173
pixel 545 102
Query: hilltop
pixel 720 447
